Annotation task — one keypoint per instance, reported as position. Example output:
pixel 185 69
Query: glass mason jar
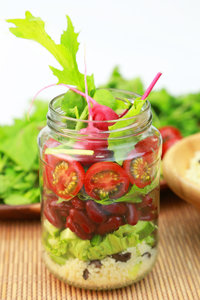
pixel 100 197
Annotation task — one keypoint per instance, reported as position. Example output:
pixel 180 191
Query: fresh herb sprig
pixel 33 28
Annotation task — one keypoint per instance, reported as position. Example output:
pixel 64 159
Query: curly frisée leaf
pixel 33 28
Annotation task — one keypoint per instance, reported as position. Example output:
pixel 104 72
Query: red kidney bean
pixel 116 208
pixel 77 203
pixel 62 208
pixel 82 220
pixel 112 224
pixel 77 229
pixel 132 215
pixel 52 214
pixel 148 213
pixel 146 201
pixel 95 212
pixel 150 217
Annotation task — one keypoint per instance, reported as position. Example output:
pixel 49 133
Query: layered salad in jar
pixel 100 205
pixel 104 233
pixel 99 174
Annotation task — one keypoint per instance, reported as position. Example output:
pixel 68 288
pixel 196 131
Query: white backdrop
pixel 142 37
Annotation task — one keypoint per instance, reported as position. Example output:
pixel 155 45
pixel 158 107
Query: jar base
pixel 110 275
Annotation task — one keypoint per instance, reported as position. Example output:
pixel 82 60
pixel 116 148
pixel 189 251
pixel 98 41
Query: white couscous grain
pixel 112 274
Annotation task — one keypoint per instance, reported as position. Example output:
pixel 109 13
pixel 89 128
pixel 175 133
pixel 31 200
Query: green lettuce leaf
pixel 19 161
pixel 104 97
pixel 73 104
pixel 22 147
pixel 132 196
pixel 16 199
pixel 69 245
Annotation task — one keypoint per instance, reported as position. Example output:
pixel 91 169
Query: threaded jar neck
pixel 70 127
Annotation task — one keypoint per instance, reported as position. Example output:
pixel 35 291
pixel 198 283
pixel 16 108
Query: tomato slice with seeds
pixel 140 162
pixel 139 169
pixel 65 176
pixel 106 179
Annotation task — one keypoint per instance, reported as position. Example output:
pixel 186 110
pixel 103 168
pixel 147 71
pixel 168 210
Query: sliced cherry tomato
pixel 106 179
pixel 139 164
pixel 50 143
pixel 65 176
pixel 139 168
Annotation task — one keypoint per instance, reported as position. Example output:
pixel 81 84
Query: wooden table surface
pixel 176 274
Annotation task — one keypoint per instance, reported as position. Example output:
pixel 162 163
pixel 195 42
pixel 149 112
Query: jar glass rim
pixel 147 106
pixel 59 122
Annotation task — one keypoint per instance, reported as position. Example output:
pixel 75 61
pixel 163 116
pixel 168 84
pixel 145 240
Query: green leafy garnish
pixel 116 142
pixel 133 111
pixel 134 195
pixel 105 97
pixel 65 53
pixel 73 104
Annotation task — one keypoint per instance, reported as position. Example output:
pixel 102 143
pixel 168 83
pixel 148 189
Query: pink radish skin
pixel 92 144
pixel 103 113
